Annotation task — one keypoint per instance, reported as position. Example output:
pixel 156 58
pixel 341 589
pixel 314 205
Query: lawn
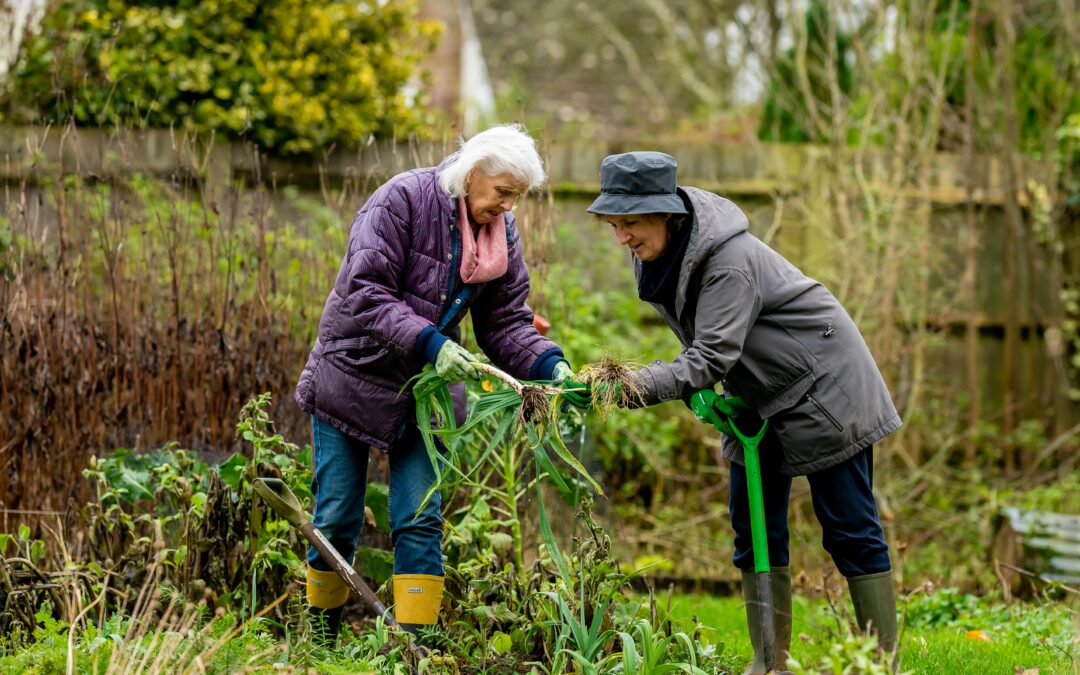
pixel 949 632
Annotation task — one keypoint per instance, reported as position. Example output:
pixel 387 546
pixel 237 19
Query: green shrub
pixel 292 76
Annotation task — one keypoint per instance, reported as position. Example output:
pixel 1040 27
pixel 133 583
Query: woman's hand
pixel 580 395
pixel 454 363
pixel 577 394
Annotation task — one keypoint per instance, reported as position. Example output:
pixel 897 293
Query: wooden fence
pixel 762 177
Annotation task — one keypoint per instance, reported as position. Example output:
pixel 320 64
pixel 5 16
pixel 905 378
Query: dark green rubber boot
pixel 875 606
pixel 781 591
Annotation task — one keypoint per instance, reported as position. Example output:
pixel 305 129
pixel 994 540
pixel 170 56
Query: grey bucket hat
pixel 637 182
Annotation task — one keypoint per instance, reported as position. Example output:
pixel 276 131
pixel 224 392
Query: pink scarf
pixel 483 254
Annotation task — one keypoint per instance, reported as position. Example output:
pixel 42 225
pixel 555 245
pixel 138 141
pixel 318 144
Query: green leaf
pixel 133 483
pixel 556 442
pixel 37 551
pixel 497 438
pixel 198 503
pixel 232 470
pixel 374 563
pixel 501 643
pixel 549 540
pixel 631 660
pixel 503 614
pixel 377 498
pixel 483 612
pixel 549 468
pixel 445 403
pixel 500 541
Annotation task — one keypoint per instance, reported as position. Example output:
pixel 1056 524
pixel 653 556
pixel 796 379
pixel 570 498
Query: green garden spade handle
pixel 720 412
pixel 281 499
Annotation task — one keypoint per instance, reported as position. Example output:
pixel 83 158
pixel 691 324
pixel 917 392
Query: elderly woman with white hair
pixel 429 246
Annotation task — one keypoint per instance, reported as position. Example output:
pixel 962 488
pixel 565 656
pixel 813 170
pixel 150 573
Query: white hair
pixel 507 148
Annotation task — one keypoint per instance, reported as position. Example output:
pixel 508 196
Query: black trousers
pixel 843 503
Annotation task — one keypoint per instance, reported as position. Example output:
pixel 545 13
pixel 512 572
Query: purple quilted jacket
pixel 393 285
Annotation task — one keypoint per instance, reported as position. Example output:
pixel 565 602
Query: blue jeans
pixel 339 483
pixel 843 503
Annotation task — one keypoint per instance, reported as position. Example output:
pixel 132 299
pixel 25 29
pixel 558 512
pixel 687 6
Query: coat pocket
pixel 354 352
pixel 788 396
pixel 825 411
pixel 818 425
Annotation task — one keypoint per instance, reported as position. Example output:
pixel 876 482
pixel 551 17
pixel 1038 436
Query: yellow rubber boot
pixel 326 596
pixel 417 600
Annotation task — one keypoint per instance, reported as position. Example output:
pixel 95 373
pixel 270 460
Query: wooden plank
pixel 743 169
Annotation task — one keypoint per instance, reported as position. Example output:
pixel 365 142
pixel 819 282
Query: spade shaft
pixel 281 499
pixel 721 413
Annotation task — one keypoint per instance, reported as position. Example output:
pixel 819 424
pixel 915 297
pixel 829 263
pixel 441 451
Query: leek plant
pixel 516 426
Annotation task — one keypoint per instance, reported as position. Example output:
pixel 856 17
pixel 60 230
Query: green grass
pixel 1021 636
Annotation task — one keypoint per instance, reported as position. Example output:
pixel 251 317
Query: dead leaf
pixel 979 635
pixel 1020 670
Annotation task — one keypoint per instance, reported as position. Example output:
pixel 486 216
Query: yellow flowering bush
pixel 292 75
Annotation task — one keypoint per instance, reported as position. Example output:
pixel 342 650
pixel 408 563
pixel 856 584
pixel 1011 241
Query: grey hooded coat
pixel 751 320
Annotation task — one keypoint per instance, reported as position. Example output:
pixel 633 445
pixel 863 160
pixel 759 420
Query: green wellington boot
pixel 875 606
pixel 781 590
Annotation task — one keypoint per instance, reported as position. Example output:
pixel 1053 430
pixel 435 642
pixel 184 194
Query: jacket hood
pixel 717 219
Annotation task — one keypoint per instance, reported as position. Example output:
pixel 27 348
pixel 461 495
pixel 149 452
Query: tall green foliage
pixel 292 76
pixel 865 65
pixel 786 116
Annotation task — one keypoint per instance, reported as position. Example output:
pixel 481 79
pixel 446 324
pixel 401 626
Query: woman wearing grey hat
pixel 750 320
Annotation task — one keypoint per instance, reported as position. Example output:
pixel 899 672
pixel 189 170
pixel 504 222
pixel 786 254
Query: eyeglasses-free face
pixel 646 234
pixel 488 197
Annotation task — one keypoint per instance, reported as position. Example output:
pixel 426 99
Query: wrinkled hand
pixel 455 363
pixel 562 371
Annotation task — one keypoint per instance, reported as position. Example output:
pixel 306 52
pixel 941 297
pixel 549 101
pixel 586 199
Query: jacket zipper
pixel 826 413
pixel 444 309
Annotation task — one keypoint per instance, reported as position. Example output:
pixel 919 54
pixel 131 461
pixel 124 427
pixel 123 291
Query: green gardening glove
pixel 580 395
pixel 562 371
pixel 601 391
pixel 576 394
pixel 454 363
pixel 711 408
